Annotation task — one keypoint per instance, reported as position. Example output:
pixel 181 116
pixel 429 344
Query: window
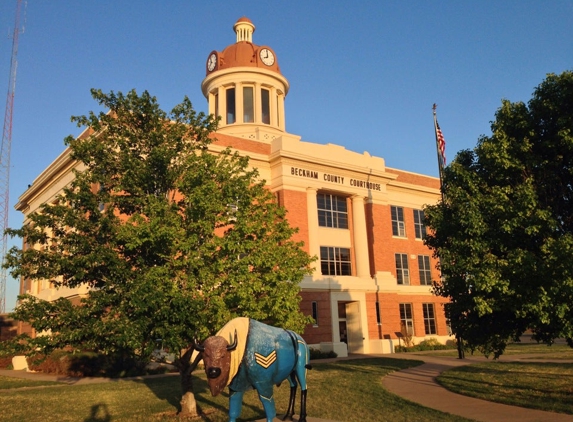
pixel 230 106
pixel 248 105
pixel 429 318
pixel 406 319
pixel 419 226
pixel 424 268
pixel 335 261
pixel 265 106
pixel 402 271
pixel 378 319
pixel 315 313
pixel 332 211
pixel 398 227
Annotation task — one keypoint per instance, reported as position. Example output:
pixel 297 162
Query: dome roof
pixel 245 19
pixel 244 53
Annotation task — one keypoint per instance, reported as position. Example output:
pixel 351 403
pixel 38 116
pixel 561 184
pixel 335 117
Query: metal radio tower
pixel 5 156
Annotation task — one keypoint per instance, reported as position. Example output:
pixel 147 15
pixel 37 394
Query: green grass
pixel 537 385
pixel 349 391
pixel 555 351
pixel 8 382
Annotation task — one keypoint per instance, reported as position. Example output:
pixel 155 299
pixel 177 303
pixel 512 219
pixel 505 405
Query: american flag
pixel 441 144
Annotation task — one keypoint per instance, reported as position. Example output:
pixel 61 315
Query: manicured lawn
pixel 537 385
pixel 349 391
pixel 555 351
pixel 8 382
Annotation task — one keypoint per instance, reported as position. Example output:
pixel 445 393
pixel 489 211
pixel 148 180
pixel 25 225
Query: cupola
pixel 245 87
pixel 244 29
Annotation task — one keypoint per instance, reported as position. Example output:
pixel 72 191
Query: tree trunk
pixel 461 353
pixel 188 402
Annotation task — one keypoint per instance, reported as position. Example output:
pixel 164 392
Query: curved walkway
pixel 418 384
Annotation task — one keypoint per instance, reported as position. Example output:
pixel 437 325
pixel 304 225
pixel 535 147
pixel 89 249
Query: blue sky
pixel 362 74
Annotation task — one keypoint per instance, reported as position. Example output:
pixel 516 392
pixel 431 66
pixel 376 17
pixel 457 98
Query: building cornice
pixel 50 176
pixel 292 149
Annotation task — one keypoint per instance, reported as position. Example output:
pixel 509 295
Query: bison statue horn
pixel 230 347
pixel 198 346
pixel 233 346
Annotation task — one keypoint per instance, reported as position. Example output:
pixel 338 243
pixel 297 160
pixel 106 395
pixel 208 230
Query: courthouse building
pixel 372 281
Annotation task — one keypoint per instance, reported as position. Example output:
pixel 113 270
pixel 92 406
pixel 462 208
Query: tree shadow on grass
pixel 366 365
pixel 250 410
pixel 251 403
pixel 166 388
pixel 511 377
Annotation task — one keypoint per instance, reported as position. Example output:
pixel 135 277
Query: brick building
pixel 363 220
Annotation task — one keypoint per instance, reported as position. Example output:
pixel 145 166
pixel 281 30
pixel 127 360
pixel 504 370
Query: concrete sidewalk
pixel 419 385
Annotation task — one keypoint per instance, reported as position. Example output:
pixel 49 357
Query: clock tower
pixel 245 87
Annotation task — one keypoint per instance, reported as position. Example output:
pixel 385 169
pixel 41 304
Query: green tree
pixel 172 239
pixel 504 232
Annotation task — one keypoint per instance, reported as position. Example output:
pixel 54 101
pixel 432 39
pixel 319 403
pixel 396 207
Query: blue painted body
pixel 271 356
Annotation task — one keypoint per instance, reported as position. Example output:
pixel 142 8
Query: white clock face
pixel 212 62
pixel 267 56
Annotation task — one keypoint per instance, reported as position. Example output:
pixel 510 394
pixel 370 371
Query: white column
pixel 212 102
pixel 312 218
pixel 281 111
pixel 360 237
pixel 222 106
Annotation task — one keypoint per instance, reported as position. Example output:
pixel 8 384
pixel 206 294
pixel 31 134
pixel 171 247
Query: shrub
pixel 55 364
pixel 6 362
pixel 452 344
pixel 430 344
pixel 87 364
pixel 317 354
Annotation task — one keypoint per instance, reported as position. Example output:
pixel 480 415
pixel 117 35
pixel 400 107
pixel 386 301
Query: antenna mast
pixel 5 156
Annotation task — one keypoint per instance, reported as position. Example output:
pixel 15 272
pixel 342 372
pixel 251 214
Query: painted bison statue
pixel 247 354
